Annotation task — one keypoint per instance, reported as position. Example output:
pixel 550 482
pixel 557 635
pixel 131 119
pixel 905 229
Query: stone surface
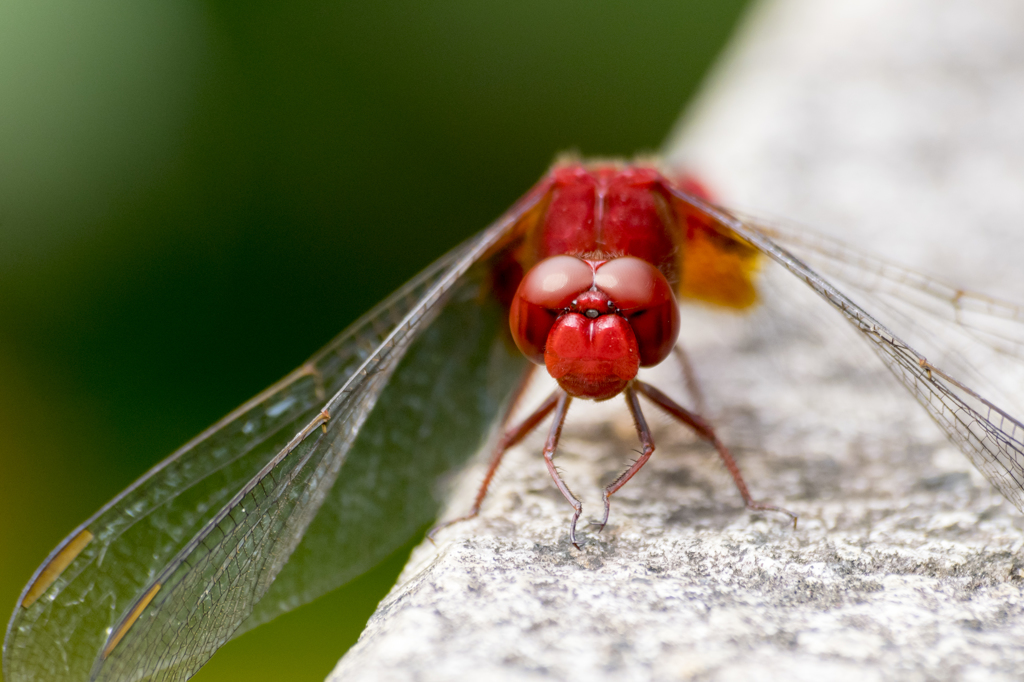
pixel 895 124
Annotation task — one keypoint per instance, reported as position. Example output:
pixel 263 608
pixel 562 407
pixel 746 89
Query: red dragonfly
pixel 318 478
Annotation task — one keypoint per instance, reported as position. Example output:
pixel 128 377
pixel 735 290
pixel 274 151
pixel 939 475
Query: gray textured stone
pixel 897 124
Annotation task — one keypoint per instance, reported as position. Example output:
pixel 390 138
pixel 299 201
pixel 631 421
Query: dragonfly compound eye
pixel 639 292
pixel 548 290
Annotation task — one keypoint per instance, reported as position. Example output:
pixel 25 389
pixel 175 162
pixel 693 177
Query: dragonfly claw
pixel 753 505
pixel 432 533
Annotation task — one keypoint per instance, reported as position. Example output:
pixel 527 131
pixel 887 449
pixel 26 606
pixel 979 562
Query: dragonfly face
pixel 315 480
pixel 594 323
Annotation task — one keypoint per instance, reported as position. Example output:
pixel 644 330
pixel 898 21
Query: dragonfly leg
pixel 554 434
pixel 704 430
pixel 690 377
pixel 510 438
pixel 646 440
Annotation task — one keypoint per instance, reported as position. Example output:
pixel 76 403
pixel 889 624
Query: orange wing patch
pixel 717 266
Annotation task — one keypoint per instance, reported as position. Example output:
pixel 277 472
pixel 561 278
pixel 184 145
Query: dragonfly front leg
pixel 510 438
pixel 646 440
pixel 549 454
pixel 704 430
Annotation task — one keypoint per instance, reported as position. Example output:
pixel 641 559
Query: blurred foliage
pixel 194 196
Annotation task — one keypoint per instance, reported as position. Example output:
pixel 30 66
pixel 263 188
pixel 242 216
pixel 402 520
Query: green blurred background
pixel 187 188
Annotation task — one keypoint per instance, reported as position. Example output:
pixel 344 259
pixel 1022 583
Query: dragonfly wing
pixel 976 338
pixel 436 411
pixel 982 328
pixel 197 602
pixel 65 613
pixel 183 525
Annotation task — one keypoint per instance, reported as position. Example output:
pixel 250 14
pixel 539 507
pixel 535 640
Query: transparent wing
pixel 438 408
pixel 976 338
pixel 195 604
pixel 954 345
pixel 164 573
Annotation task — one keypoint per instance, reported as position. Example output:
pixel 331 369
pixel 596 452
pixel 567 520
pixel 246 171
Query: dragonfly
pixel 318 478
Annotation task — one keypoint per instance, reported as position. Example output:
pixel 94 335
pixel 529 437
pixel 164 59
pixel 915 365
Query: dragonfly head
pixel 594 323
